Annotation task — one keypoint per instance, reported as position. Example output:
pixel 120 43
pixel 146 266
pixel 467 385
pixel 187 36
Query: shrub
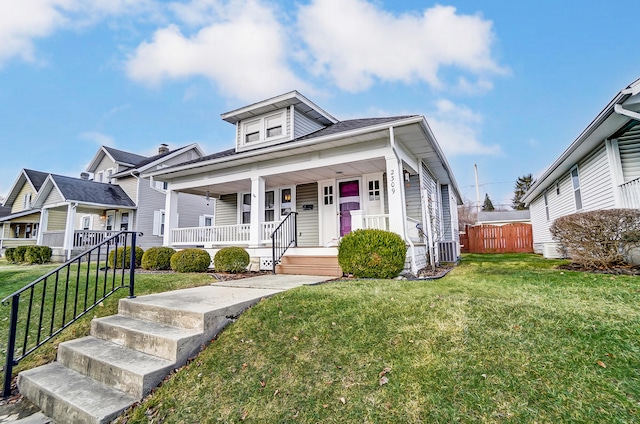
pixel 116 256
pixel 157 258
pixel 37 254
pixel 18 254
pixel 597 239
pixel 190 260
pixel 372 254
pixel 9 254
pixel 231 259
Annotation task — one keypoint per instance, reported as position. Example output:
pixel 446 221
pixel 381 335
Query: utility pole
pixel 475 167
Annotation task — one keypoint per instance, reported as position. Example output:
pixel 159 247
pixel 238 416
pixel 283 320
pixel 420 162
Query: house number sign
pixel 392 181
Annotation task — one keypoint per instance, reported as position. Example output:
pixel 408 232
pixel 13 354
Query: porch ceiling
pixel 341 171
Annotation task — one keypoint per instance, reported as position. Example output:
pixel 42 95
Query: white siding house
pixel 599 170
pixel 294 161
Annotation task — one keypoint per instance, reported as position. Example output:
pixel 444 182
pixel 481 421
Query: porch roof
pixel 10 216
pixel 84 191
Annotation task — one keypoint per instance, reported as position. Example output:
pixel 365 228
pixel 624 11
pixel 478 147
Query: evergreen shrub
pixel 231 259
pixel 37 254
pixel 116 256
pixel 157 258
pixel 190 260
pixel 372 254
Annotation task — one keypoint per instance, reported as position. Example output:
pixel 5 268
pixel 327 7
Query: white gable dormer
pixel 276 120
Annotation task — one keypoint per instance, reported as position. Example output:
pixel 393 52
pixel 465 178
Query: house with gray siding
pixel 300 175
pixel 599 170
pixel 76 213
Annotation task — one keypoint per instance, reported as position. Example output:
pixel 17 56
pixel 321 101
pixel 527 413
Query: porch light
pixel 406 175
pixel 207 197
pixel 287 197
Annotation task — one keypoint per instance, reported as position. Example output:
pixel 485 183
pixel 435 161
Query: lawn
pixel 502 338
pixel 14 277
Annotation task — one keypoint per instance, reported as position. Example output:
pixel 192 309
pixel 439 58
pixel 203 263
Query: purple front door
pixel 349 192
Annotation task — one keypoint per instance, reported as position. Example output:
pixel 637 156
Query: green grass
pixel 502 338
pixel 14 277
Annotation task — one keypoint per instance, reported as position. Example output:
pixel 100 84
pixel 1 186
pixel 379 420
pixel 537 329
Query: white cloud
pixel 21 24
pixel 457 129
pixel 243 51
pixel 98 138
pixel 355 42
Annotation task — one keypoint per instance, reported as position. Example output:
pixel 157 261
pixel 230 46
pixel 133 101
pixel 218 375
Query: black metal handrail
pixel 69 290
pixel 285 235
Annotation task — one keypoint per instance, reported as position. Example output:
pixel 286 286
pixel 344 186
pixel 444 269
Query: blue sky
pixel 507 85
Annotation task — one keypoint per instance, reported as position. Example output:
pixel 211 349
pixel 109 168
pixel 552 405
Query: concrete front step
pixel 310 265
pixel 129 370
pixel 161 340
pixel 97 377
pixel 70 397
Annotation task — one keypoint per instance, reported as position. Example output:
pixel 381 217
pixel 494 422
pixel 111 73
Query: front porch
pixel 630 194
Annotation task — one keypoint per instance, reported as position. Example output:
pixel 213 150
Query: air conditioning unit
pixel 448 251
pixel 552 251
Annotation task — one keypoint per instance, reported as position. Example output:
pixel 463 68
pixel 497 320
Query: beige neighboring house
pixel 71 214
pixel 19 219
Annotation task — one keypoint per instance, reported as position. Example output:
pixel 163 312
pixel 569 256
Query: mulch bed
pixel 617 270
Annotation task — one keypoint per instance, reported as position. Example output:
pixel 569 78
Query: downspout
pixel 137 199
pixel 414 267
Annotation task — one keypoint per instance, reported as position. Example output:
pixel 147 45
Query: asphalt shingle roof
pixel 338 127
pixel 37 178
pixel 79 190
pixel 124 157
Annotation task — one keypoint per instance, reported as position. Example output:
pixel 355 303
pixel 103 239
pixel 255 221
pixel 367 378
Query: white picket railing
pixel 377 222
pixel 224 234
pixel 630 194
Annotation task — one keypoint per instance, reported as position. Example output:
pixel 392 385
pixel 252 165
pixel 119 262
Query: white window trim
pixel 153 182
pixel 159 218
pixel 202 219
pixel 277 206
pixel 545 203
pixel 262 137
pixel 574 189
pixel 100 177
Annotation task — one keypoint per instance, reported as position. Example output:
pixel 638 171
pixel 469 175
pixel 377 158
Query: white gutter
pixel 626 112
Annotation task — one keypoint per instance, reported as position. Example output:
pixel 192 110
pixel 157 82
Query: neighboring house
pixel 599 170
pixel 19 219
pixel 125 169
pixel 291 156
pixel 503 217
pixel 79 212
pixel 70 214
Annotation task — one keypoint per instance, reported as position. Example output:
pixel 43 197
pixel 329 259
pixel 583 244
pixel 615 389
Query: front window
pixel 575 179
pixel 124 222
pixel 86 222
pixel 246 208
pixel 546 204
pixel 374 190
pixel 269 206
pixel 285 201
pixel 273 126
pixel 252 131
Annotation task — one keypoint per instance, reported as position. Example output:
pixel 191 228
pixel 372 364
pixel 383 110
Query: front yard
pixel 501 338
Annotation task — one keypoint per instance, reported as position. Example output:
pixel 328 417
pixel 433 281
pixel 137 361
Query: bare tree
pixel 467 214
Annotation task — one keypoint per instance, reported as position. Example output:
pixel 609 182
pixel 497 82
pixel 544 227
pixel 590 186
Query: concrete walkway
pixel 224 296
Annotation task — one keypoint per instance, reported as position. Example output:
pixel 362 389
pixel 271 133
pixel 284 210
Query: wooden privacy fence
pixel 510 238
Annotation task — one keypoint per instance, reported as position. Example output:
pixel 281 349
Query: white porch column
pixel 170 216
pixel 257 210
pixel 42 226
pixel 395 188
pixel 615 166
pixel 69 229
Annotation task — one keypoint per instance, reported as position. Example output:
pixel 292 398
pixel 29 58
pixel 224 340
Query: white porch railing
pixel 376 222
pixel 224 234
pixel 220 235
pixel 630 194
pixel 84 239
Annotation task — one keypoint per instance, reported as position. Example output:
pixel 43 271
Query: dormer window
pixel 264 129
